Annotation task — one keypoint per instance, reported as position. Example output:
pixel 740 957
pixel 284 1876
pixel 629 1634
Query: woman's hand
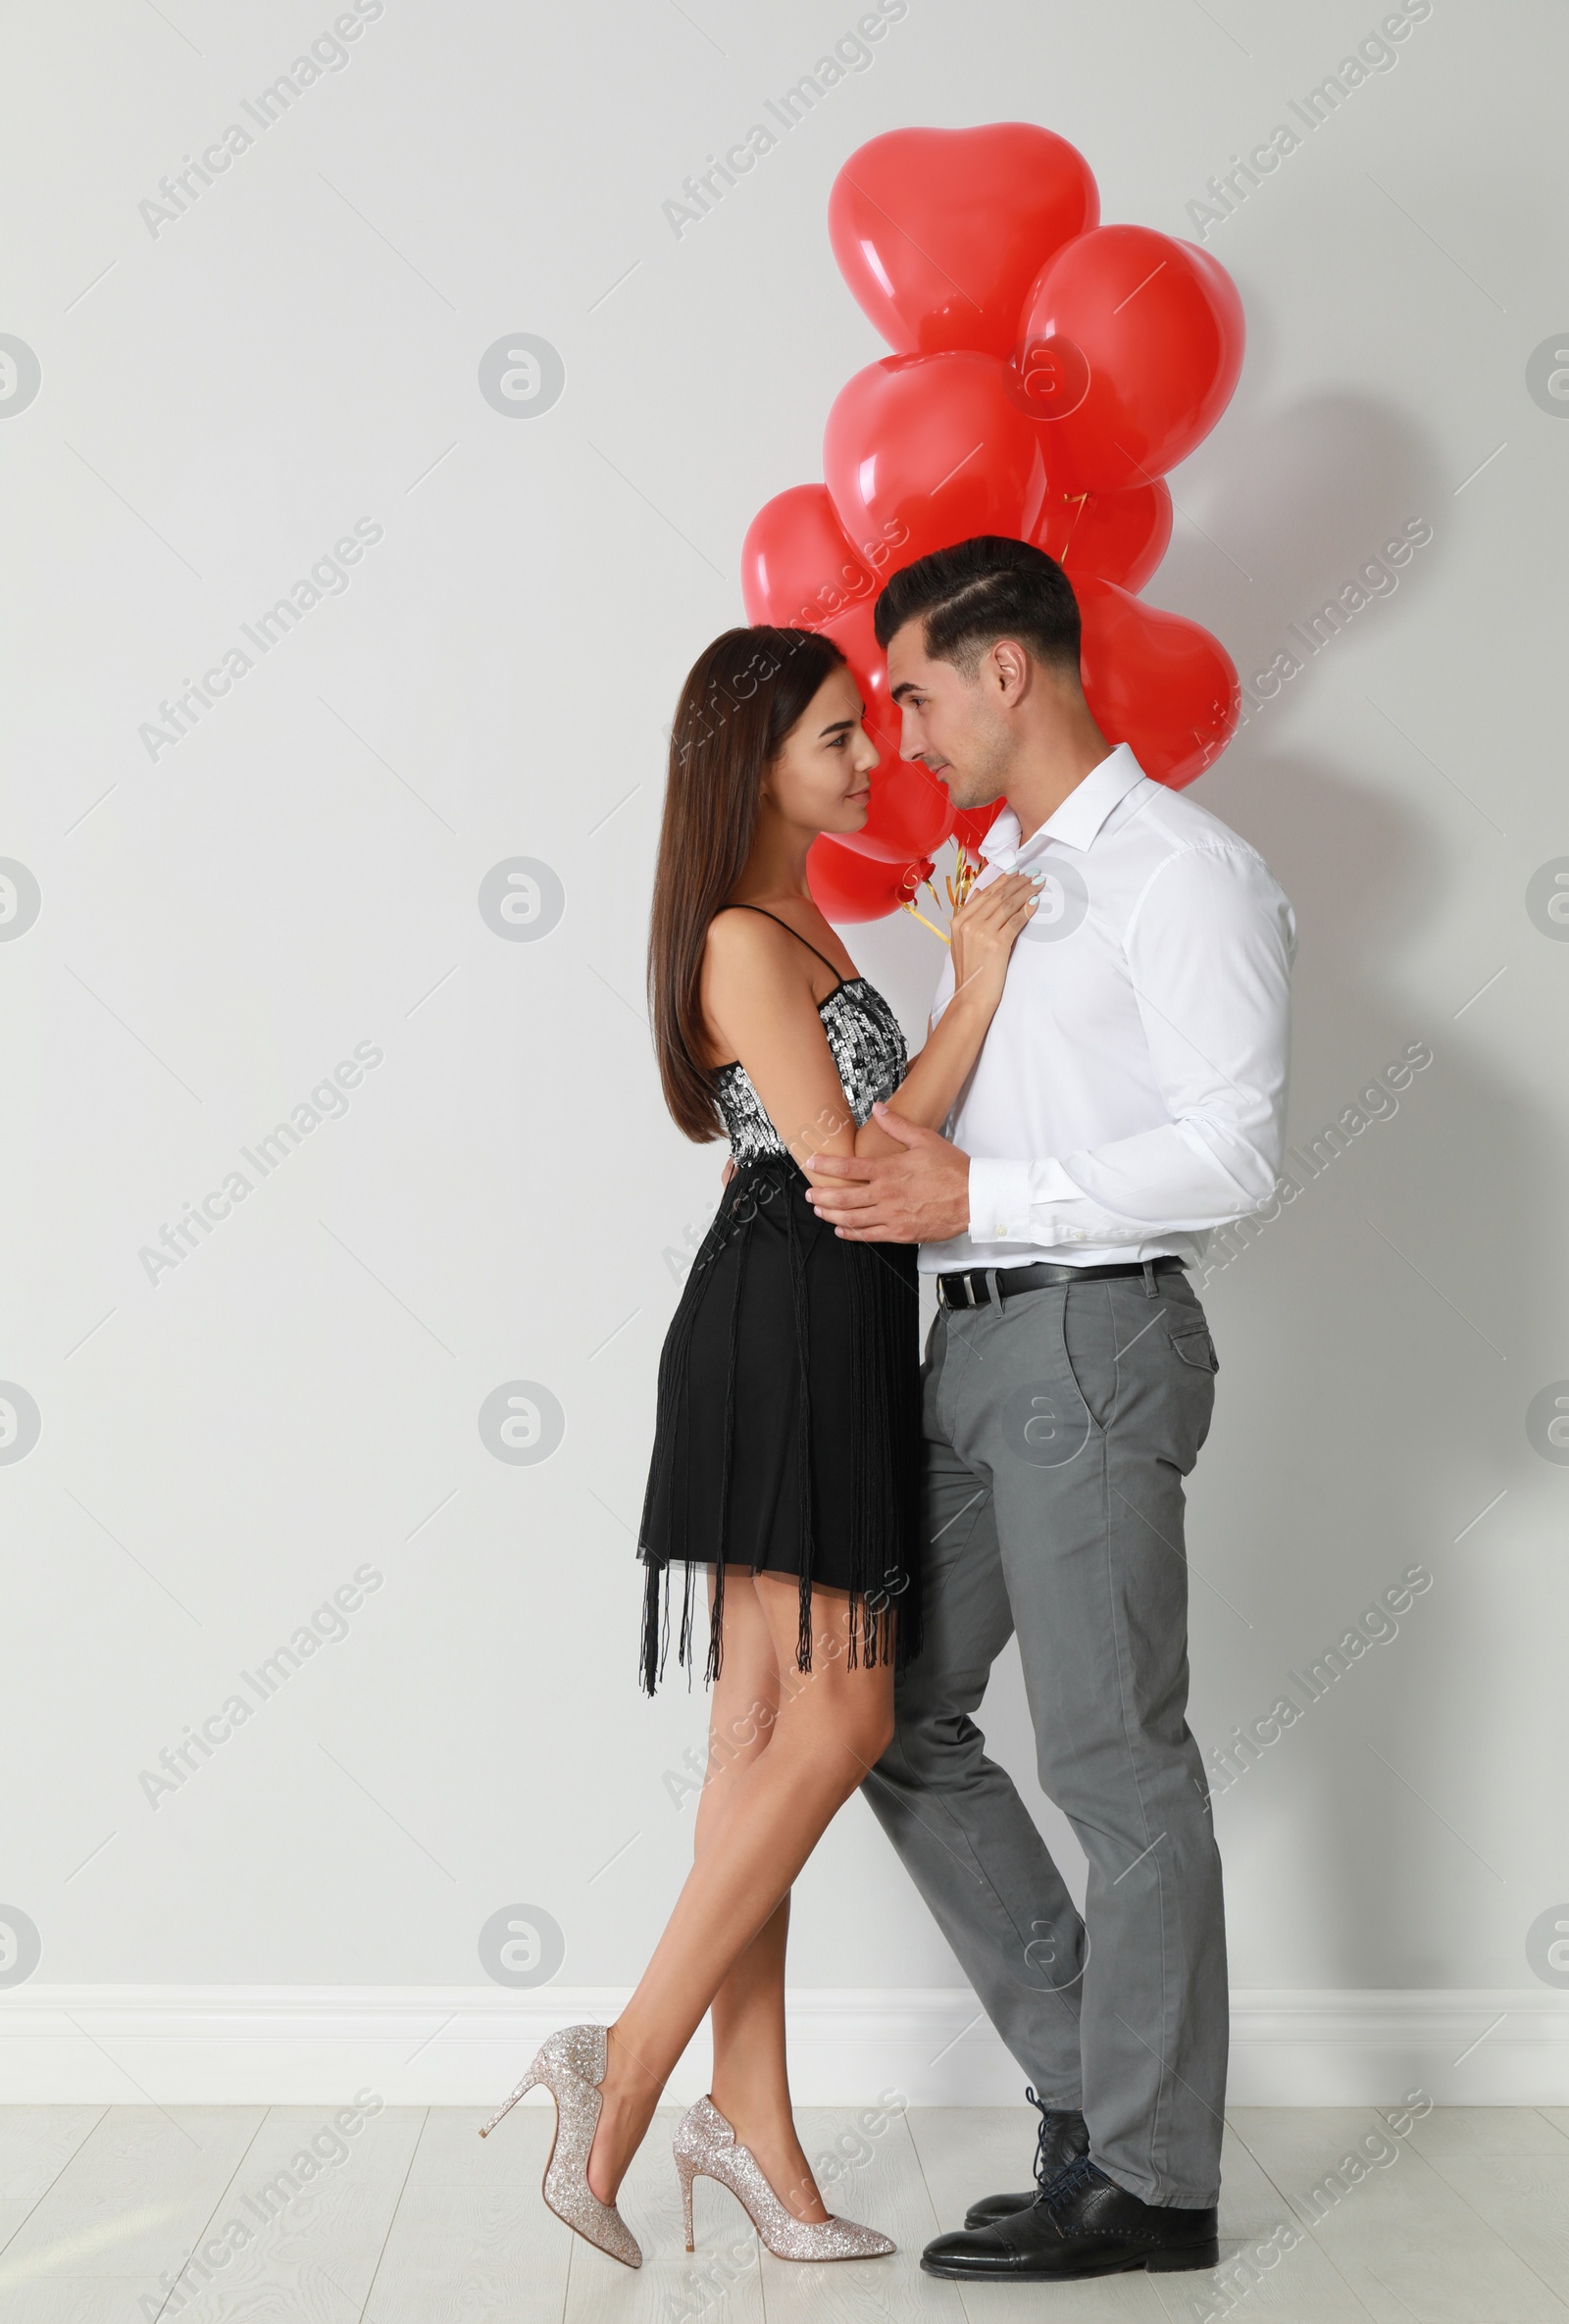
pixel 983 931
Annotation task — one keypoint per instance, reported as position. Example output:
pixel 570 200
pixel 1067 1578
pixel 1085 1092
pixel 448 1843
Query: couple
pixel 1108 1054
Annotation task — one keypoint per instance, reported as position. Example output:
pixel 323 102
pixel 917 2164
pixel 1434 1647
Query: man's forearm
pixel 1177 1177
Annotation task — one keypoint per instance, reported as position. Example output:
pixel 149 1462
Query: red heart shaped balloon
pixel 939 232
pixel 1130 346
pixel 798 567
pixel 856 638
pixel 1156 682
pixel 911 813
pixel 923 450
pixel 1115 537
pixel 846 886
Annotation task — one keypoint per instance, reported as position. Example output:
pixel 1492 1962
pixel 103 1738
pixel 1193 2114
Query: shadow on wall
pixel 1285 511
pixel 1373 1414
pixel 1366 1412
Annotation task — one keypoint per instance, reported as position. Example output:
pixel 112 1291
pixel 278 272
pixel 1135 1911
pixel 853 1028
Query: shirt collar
pixel 1076 823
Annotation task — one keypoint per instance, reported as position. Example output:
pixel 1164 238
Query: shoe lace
pixel 1043 2171
pixel 1067 2182
pixel 1044 2113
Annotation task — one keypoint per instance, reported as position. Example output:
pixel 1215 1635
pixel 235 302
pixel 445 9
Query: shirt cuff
pixel 1012 1202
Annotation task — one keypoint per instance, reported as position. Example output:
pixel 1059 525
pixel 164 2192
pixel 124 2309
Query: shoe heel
pixel 1165 2263
pixel 529 2081
pixel 687 2172
pixel 706 2147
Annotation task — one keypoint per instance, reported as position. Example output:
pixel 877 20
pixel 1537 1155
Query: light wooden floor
pixel 1464 2221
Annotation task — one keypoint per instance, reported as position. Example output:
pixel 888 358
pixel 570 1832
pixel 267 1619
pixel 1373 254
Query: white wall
pixel 221 402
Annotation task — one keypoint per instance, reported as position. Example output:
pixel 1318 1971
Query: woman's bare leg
pixel 831 1726
pixel 750 2083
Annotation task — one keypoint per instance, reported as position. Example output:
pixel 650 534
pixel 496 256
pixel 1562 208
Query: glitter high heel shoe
pixel 570 2065
pixel 706 2145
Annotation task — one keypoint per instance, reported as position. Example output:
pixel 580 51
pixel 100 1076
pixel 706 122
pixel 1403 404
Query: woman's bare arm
pixel 983 934
pixel 758 1000
pixel 757 996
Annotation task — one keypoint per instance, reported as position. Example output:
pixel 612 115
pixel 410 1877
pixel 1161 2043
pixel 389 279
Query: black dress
pixel 787 1436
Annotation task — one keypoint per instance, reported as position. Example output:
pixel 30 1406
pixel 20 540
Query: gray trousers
pixel 1058 1431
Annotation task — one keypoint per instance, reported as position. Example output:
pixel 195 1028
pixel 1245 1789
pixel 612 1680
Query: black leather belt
pixel 972 1290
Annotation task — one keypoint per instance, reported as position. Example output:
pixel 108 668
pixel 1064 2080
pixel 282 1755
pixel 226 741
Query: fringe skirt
pixel 788 1438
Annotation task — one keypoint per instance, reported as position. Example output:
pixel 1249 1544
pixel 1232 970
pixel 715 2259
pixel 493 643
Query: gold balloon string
pixel 1077 503
pixel 957 885
pixel 941 935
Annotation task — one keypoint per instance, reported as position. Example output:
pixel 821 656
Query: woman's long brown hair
pixel 744 695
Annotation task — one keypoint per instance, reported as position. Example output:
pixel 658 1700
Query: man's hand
pixel 919 1195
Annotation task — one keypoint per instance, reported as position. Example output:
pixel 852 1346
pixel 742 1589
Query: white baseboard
pixel 467 2045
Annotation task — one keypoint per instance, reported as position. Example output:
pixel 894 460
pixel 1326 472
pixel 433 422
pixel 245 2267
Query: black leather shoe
pixel 1062 2139
pixel 1084 2224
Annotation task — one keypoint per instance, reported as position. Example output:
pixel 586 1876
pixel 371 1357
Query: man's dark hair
pixel 980 590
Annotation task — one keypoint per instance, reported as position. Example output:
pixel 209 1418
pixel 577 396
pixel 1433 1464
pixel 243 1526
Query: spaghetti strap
pixel 791 932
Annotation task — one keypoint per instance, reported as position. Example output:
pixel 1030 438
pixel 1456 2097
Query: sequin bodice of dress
pixel 868 1053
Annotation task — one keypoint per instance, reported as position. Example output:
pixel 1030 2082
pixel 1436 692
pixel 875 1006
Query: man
pixel 1130 1099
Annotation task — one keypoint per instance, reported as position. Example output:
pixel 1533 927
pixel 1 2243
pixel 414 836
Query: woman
pixel 785 1462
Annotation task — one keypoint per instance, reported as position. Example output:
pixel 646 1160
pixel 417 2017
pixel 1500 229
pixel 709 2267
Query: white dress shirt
pixel 1131 1095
